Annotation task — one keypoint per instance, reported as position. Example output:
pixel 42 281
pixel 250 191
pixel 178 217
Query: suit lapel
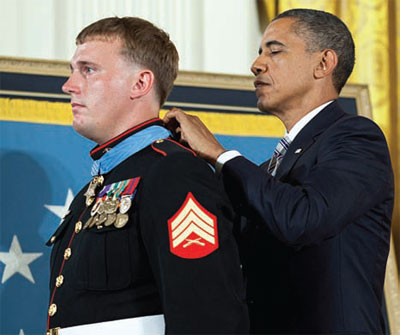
pixel 264 166
pixel 307 136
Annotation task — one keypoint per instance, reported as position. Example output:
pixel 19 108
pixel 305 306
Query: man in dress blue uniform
pixel 319 212
pixel 147 246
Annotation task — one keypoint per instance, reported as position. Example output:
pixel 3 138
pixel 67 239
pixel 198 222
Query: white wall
pixel 211 35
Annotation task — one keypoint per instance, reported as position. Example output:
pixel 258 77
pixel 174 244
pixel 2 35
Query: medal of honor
pixel 89 201
pixel 98 180
pixel 91 191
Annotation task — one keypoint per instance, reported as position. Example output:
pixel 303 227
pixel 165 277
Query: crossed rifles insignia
pixel 192 230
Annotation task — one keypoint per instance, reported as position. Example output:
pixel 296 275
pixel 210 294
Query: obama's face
pixel 283 69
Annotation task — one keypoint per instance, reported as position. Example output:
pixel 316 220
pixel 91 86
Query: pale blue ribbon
pixel 127 148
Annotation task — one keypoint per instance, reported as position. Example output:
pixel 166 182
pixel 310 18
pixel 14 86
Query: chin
pixel 77 126
pixel 263 107
pixel 81 130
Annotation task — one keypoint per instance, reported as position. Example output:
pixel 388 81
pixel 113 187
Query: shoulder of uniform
pixel 168 146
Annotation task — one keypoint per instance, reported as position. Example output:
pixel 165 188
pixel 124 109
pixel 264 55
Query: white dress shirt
pixel 230 154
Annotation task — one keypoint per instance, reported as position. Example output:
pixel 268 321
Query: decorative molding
pixel 35 94
pixel 185 78
pixel 361 94
pixel 215 80
pixel 34 66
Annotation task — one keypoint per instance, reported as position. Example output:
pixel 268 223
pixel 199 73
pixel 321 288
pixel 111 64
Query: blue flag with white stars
pixel 42 168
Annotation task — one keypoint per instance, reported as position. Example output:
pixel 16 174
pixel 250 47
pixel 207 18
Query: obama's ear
pixel 327 63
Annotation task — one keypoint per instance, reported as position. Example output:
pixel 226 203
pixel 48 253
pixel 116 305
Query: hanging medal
pixel 112 204
pixel 91 191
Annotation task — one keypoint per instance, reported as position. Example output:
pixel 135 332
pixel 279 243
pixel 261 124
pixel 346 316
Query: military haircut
pixel 143 43
pixel 321 30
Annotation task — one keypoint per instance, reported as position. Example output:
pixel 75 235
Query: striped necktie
pixel 277 157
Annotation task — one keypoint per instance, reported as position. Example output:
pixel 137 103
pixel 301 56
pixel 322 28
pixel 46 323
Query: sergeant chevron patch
pixel 193 230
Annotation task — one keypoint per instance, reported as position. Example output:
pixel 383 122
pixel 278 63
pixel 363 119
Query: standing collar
pixel 98 151
pixel 128 147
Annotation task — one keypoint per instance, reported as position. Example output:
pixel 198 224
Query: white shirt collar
pixel 304 120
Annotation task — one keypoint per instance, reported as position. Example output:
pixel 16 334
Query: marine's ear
pixel 142 85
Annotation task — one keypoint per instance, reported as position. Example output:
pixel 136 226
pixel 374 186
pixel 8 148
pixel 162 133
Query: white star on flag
pixel 60 211
pixel 17 261
pixel 21 332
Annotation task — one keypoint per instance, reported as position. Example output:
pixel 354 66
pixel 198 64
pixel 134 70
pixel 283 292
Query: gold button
pixel 78 227
pixel 52 309
pixel 53 331
pixel 59 280
pixel 67 253
pixel 159 141
pixel 52 240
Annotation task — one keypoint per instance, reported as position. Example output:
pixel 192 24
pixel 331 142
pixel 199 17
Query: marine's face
pixel 283 69
pixel 99 85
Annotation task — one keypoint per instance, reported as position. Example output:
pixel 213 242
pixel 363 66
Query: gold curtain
pixel 375 25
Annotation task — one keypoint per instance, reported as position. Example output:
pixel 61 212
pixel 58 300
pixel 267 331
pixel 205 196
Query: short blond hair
pixel 143 43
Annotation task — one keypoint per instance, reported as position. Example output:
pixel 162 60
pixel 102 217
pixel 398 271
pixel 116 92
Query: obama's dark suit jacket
pixel 317 235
